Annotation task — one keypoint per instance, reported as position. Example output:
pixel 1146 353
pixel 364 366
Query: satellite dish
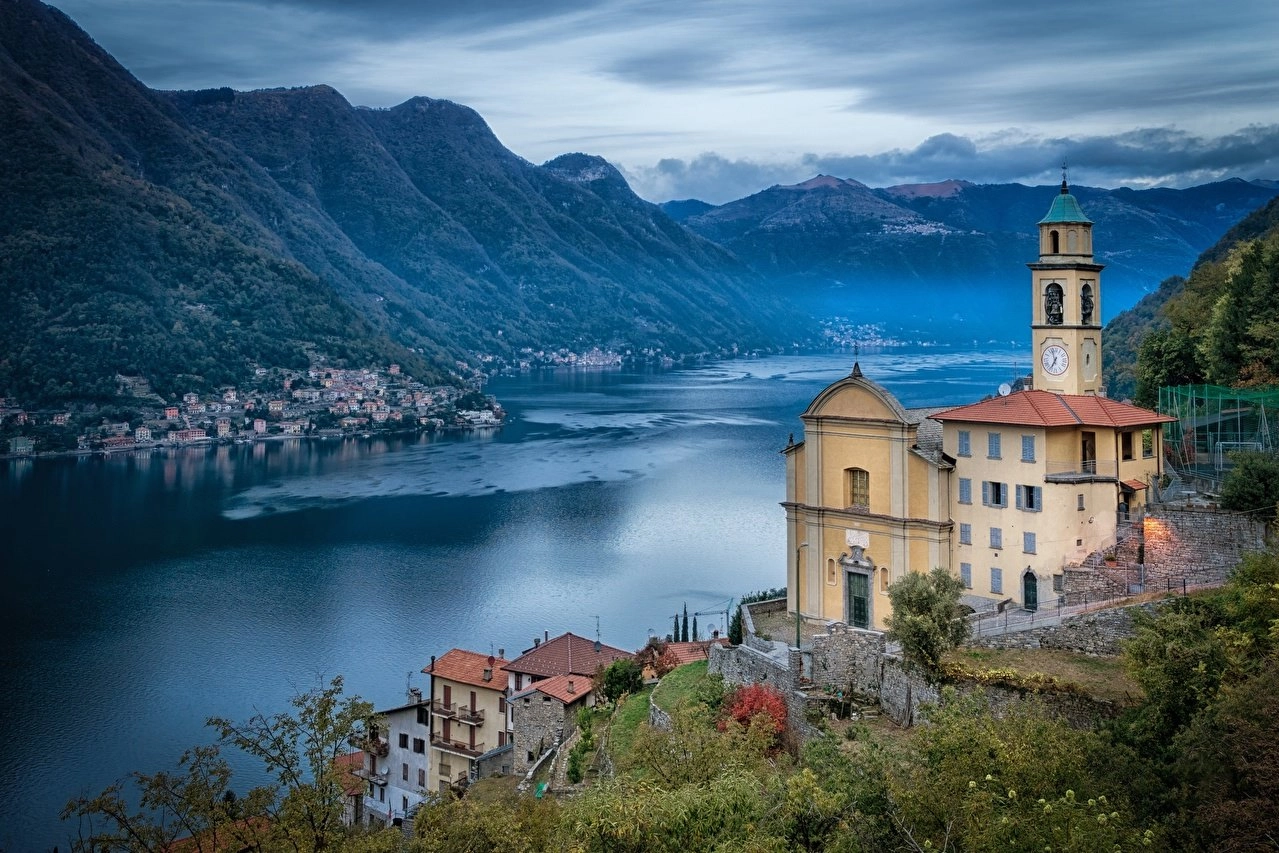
pixel 1005 389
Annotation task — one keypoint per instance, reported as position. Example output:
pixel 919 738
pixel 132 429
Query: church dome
pixel 1065 209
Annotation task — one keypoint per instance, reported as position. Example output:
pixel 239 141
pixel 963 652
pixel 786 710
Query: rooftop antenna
pixel 598 645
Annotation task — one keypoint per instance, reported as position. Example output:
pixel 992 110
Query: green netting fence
pixel 1213 422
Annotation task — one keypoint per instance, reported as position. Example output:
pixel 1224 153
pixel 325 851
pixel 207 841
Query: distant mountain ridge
pixel 188 236
pixel 958 248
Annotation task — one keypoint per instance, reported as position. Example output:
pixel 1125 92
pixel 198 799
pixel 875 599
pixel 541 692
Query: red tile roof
pixel 1135 485
pixel 694 651
pixel 557 687
pixel 567 653
pixel 1046 409
pixel 345 764
pixel 468 668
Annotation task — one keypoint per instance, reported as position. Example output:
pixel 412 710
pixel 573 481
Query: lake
pixel 146 592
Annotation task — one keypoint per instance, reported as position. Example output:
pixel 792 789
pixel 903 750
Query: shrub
pixel 757 700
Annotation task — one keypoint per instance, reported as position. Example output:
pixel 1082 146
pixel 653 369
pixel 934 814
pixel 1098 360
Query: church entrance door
pixel 858 600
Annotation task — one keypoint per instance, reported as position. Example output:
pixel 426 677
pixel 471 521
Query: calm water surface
pixel 147 592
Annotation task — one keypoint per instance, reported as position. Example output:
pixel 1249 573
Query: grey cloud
pixel 1143 157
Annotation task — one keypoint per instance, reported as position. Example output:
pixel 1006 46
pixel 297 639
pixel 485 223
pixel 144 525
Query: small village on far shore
pixel 319 402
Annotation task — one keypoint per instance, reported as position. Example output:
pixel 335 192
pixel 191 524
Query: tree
pixel 759 701
pixel 620 677
pixel 656 656
pixel 195 802
pixel 1252 485
pixel 675 632
pixel 696 637
pixel 683 634
pixel 300 750
pixel 927 618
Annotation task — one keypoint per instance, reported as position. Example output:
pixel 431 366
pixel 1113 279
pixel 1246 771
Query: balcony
pixel 457 747
pixel 377 777
pixel 1082 471
pixel 470 716
pixel 439 709
pixel 378 746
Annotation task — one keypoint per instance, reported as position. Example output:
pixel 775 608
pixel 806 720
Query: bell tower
pixel 1066 298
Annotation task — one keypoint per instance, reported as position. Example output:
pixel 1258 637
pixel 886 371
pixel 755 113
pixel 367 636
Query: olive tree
pixel 927 618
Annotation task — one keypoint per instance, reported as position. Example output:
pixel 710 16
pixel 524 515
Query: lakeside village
pixel 281 404
pixel 320 402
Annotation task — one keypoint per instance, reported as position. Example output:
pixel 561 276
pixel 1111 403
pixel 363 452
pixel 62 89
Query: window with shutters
pixel 965 490
pixel 996 580
pixel 1030 498
pixel 994 494
pixel 965 533
pixel 996 537
pixel 965 443
pixel 1028 542
pixel 993 440
pixel 966 574
pixel 1027 448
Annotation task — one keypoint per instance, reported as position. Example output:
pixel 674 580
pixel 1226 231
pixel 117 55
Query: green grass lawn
pixel 1104 678
pixel 626 720
pixel 679 684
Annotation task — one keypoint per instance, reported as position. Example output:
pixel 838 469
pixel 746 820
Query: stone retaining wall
pixel 1101 633
pixel 1199 545
pixel 846 658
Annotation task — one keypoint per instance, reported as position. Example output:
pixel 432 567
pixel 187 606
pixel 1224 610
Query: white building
pixel 396 763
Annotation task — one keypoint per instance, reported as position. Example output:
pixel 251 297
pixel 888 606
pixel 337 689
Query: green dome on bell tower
pixel 1065 208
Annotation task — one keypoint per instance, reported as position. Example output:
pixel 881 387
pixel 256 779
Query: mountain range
pixel 189 237
pixel 836 245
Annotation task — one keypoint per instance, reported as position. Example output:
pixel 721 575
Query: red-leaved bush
pixel 754 700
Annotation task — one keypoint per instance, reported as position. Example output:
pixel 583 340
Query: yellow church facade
pixel 1003 493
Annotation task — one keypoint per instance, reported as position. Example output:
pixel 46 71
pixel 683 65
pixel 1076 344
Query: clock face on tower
pixel 1055 360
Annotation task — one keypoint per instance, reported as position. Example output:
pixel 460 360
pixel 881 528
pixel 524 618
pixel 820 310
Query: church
pixel 1003 493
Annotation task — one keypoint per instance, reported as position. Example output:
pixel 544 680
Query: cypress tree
pixel 695 637
pixel 675 633
pixel 684 633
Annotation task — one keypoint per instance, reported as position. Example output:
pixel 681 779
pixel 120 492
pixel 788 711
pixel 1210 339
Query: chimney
pixel 546 636
pixel 488 674
pixel 536 642
pixel 570 686
pixel 415 694
pixel 501 653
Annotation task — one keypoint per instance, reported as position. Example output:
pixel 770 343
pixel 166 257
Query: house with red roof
pixel 470 726
pixel 1007 493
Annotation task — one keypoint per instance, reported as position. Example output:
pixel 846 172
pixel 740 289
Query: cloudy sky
pixel 716 99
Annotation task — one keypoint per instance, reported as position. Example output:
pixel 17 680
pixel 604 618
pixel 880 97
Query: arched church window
pixel 1085 305
pixel 1055 241
pixel 1053 304
pixel 858 488
pixel 832 576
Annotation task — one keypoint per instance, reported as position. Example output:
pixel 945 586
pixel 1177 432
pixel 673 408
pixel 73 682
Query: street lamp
pixel 798 606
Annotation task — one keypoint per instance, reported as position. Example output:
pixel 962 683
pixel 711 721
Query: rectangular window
pixel 501 738
pixel 1081 503
pixel 1059 583
pixel 965 534
pixel 996 580
pixel 1030 498
pixel 404 741
pixel 996 537
pixel 446 769
pixel 404 772
pixel 423 716
pixel 1147 443
pixel 965 443
pixel 1027 448
pixel 1028 543
pixel 966 574
pixel 419 745
pixel 421 778
pixel 994 494
pixel 965 490
pixel 859 488
pixel 992 445
pixel 1125 445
